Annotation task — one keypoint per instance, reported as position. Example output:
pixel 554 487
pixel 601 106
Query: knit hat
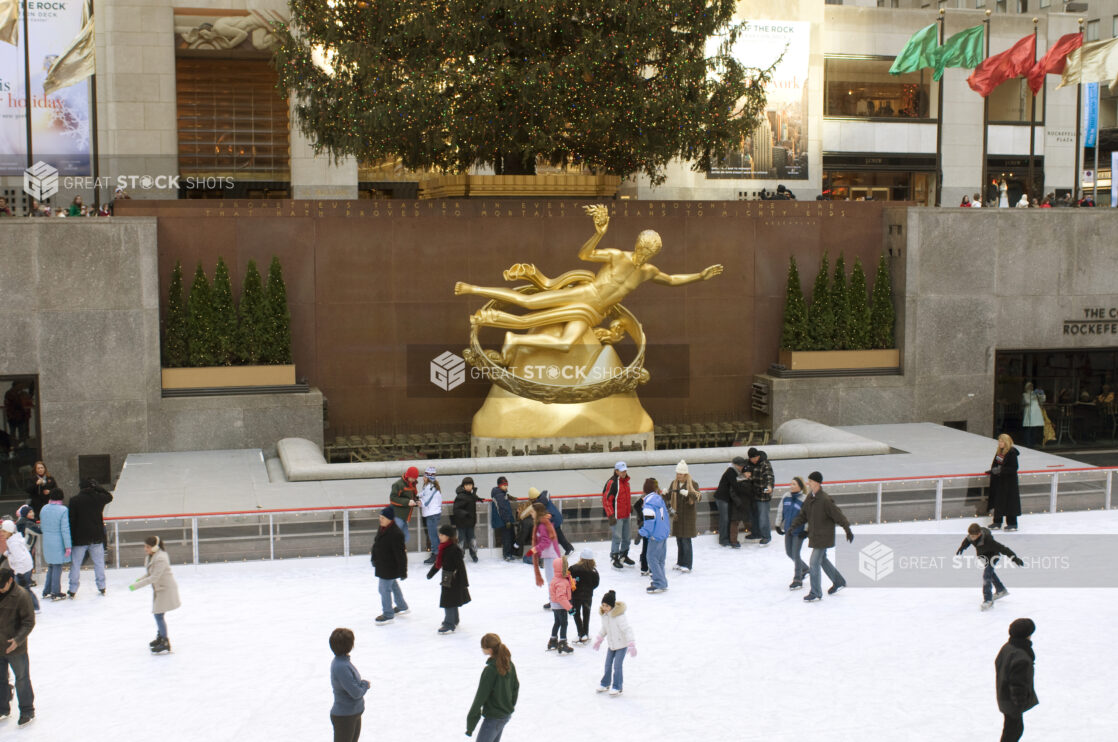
pixel 8 527
pixel 533 493
pixel 448 530
pixel 1022 628
pixel 429 471
pixel 610 599
pixel 816 477
pixel 389 512
pixel 739 461
pixel 681 467
pixel 411 473
pixel 502 480
pixel 23 511
pixel 752 452
pixel 587 554
pixel 620 466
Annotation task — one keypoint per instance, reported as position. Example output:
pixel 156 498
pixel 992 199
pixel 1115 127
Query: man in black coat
pixel 1013 672
pixel 724 500
pixel 17 619
pixel 87 532
pixel 464 515
pixel 390 564
pixel 988 551
pixel 502 501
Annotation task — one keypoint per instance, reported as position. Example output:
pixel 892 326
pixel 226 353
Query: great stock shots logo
pixel 448 371
pixel 40 181
pixel 876 561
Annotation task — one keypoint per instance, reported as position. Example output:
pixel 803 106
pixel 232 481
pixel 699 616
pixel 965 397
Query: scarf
pixel 439 557
pixel 1024 643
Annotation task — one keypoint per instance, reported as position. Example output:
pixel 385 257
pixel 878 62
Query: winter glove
pixel 612 521
pixel 636 540
pixel 632 649
pixel 571 611
pixel 780 530
pixel 849 536
pixel 597 644
pixel 67 552
pixel 131 588
pixel 959 552
pixel 1018 562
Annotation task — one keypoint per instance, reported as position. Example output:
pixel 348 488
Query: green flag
pixel 964 49
pixel 919 52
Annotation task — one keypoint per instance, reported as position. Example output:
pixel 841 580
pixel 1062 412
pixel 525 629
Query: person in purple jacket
pixel 349 689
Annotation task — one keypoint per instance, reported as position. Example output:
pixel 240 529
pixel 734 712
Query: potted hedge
pixel 844 328
pixel 210 343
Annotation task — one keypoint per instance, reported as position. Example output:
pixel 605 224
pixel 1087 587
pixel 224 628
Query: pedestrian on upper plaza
pixel 40 490
pixel 1032 417
pixel 497 692
pixel 17 619
pixel 1003 194
pixel 545 542
pixel 390 565
pixel 1013 678
pixel 965 203
pixel 820 513
pixel 505 518
pixel 403 498
pixel 617 502
pixel 619 640
pixel 464 515
pixel 761 479
pixel 455 584
pixel 560 591
pixel 1005 492
pixel 75 207
pixel 724 501
pixel 656 527
pixel 431 504
pixel 988 552
pixel 5 210
pixel 55 522
pixel 683 496
pixel 19 559
pixel 534 496
pixel 976 202
pixel 349 689
pixel 87 532
pixel 794 538
pixel 165 591
pixel 585 575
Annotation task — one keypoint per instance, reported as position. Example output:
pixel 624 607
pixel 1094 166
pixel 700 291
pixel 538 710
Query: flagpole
pixel 27 82
pixel 1032 123
pixel 939 120
pixel 1078 125
pixel 93 122
pixel 1095 182
pixel 985 120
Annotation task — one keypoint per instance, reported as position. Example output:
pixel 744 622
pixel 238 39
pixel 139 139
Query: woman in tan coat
pixel 682 497
pixel 166 598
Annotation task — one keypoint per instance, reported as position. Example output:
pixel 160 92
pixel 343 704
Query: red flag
pixel 1054 61
pixel 1013 62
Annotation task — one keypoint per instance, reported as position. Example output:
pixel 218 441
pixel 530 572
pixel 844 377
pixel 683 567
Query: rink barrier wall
pixel 333 530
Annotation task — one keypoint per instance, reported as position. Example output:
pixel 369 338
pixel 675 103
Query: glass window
pixel 1011 102
pixel 1000 6
pixel 1092 31
pixel 980 3
pixel 1045 3
pixel 863 87
pixel 1114 26
pixel 1022 6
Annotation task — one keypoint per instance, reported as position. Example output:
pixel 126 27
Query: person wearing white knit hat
pixel 683 495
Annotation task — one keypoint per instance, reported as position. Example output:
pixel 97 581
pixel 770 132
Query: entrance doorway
pixel 20 437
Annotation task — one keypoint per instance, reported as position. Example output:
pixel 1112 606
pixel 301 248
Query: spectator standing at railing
pixel 1005 492
pixel 390 565
pixel 505 517
pixel 431 503
pixel 464 515
pixel 683 497
pixel 403 498
pixel 821 515
pixel 617 502
pixel 87 531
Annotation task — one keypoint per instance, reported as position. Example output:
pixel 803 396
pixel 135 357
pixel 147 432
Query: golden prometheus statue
pixel 557 373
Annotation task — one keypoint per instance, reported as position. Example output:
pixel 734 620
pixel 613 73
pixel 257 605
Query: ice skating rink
pixel 728 653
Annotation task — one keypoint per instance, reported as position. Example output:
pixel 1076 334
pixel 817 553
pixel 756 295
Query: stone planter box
pixel 215 377
pixel 839 360
pixel 515 186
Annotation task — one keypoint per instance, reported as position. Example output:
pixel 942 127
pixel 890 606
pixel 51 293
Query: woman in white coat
pixel 166 590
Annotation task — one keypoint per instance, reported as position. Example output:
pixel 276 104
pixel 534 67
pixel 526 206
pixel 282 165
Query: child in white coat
pixel 19 557
pixel 616 630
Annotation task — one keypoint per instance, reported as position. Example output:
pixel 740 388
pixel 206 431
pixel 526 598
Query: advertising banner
pixel 1113 180
pixel 60 122
pixel 777 148
pixel 1090 113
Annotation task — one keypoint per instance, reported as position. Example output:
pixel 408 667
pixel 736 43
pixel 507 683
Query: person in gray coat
pixel 1013 672
pixel 166 591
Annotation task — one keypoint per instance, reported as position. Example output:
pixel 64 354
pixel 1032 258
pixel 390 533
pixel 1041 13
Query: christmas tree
pixel 821 330
pixel 200 338
pixel 881 310
pixel 619 87
pixel 858 309
pixel 277 346
pixel 174 323
pixel 252 318
pixel 839 307
pixel 795 334
pixel 225 316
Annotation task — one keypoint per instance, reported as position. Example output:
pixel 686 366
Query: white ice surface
pixel 728 653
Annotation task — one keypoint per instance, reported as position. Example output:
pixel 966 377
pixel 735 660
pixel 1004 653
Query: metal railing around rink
pixel 335 531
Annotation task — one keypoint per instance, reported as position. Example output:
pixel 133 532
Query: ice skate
pixel 617 562
pixel 401 611
pixel 645 572
pixel 685 570
pixel 627 561
pixel 154 641
pixel 383 620
pixel 1001 594
pixel 809 598
pixel 446 629
pixel 565 648
pixel 163 647
pixel 552 643
pixel 986 605
pixel 25 719
pixel 615 692
pixel 796 585
pixel 835 588
pixel 582 640
pixel 602 688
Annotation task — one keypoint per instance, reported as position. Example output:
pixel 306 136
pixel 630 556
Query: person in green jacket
pixel 496 693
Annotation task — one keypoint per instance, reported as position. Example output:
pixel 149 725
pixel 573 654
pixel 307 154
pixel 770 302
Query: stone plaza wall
pixel 79 308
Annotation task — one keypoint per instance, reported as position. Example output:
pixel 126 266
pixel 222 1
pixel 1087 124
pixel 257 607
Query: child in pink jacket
pixel 560 591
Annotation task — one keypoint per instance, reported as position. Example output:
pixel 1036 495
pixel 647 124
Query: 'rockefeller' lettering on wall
pixel 1096 321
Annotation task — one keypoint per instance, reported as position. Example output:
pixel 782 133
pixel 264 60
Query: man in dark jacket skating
pixel 17 619
pixel 988 552
pixel 723 500
pixel 464 515
pixel 87 532
pixel 1013 672
pixel 502 501
pixel 390 565
pixel 821 515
